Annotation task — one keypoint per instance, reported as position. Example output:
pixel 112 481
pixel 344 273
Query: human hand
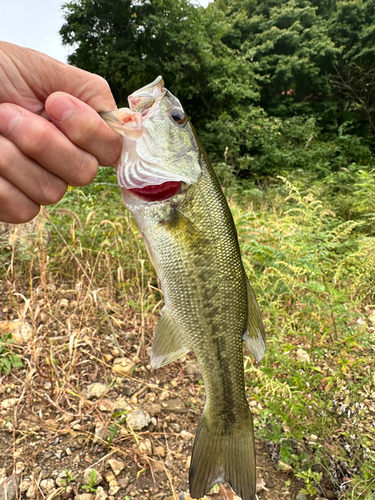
pixel 50 133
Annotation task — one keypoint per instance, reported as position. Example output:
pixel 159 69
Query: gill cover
pixel 158 141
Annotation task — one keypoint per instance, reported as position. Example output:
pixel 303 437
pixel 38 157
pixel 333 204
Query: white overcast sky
pixel 36 24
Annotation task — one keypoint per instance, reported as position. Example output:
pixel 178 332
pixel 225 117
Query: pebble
pixel 160 451
pixel 20 330
pixel 9 489
pixel 87 477
pixel 24 486
pixel 301 496
pixel 62 478
pixel 153 409
pixel 47 485
pixel 100 494
pixel 175 405
pixel 116 465
pixel 123 482
pixel 123 366
pixel 31 492
pixel 303 356
pixel 101 433
pixel 95 390
pixel 194 372
pixel 113 487
pixel 106 405
pixel 175 427
pixel 145 447
pixel 7 404
pixel 109 476
pixel 85 496
pixel 138 420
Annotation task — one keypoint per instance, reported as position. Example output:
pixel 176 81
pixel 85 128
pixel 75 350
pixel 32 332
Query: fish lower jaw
pixel 160 192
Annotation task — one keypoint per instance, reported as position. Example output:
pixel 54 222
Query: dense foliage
pixel 271 85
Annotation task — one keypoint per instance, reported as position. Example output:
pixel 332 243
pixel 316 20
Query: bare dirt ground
pixel 67 411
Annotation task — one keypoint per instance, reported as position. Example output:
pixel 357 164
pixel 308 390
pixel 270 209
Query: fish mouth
pixel 160 192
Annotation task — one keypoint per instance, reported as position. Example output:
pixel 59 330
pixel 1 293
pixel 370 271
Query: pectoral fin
pixel 168 344
pixel 254 336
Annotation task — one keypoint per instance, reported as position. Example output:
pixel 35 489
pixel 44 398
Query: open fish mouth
pixel 160 154
pixel 159 192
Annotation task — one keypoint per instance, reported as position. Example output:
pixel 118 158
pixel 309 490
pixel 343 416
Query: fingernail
pixel 61 108
pixel 9 117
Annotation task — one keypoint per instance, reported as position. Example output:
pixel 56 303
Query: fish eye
pixel 178 116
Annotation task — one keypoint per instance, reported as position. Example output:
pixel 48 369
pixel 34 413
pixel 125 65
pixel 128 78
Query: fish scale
pixel 209 305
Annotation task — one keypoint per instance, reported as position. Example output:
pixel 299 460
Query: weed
pixel 8 360
pixel 91 486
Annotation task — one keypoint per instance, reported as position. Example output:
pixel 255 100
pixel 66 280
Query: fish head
pixel 160 155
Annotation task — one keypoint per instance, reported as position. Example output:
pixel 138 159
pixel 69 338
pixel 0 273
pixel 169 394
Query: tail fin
pixel 225 455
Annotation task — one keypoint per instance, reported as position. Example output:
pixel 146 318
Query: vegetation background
pixel 282 94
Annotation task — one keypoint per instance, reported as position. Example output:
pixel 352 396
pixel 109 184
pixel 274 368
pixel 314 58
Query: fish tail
pixel 223 453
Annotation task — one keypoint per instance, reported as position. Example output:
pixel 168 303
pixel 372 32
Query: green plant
pixel 91 486
pixel 8 360
pixel 311 479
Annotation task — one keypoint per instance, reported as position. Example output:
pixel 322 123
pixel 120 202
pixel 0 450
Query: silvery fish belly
pixel 171 189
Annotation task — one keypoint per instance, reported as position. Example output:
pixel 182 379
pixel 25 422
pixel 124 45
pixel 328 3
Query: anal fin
pixel 168 344
pixel 254 336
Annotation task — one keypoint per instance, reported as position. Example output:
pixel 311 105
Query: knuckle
pixel 37 139
pixel 52 192
pixel 85 171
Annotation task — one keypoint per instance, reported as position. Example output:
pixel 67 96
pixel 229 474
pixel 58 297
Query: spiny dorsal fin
pixel 168 344
pixel 254 336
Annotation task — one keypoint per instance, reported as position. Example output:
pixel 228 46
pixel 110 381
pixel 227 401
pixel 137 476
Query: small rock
pixel 127 390
pixel 113 487
pixel 92 473
pixel 153 409
pixel 330 494
pixel 101 433
pixel 109 476
pixel 187 435
pixel 9 490
pixel 107 357
pixel 85 496
pixel 145 447
pixel 301 496
pixel 100 494
pixel 7 404
pixel 269 483
pixel 194 372
pixel 175 405
pixel 47 485
pixel 25 485
pixel 106 405
pixel 20 330
pixel 116 465
pixel 122 366
pixel 95 390
pixel 160 451
pixel 175 427
pixel 302 356
pixel 68 492
pixel 123 482
pixel 284 467
pixel 260 484
pixel 121 404
pixel 31 492
pixel 62 478
pixel 138 420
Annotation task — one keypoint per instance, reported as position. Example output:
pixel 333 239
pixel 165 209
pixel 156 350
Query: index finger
pixel 84 127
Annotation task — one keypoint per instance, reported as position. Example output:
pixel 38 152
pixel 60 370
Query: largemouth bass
pixel 171 189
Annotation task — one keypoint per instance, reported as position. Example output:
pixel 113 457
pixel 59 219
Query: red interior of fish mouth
pixel 158 193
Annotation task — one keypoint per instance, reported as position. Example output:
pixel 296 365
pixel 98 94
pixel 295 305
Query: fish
pixel 171 189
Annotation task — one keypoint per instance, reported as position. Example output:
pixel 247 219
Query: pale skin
pixel 51 135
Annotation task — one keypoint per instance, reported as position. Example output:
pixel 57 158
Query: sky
pixel 36 24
